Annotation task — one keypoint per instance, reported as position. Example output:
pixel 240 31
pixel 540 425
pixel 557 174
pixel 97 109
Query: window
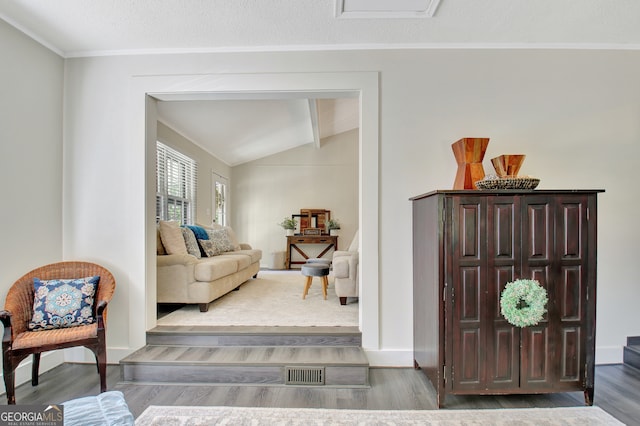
pixel 220 185
pixel 175 185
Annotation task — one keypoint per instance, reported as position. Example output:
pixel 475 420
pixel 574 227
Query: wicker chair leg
pixel 35 368
pixel 9 380
pixel 102 368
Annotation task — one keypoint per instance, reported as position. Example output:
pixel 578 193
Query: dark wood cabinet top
pixel 498 192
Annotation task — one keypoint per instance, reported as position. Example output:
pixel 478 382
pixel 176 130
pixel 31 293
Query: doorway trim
pixel 365 85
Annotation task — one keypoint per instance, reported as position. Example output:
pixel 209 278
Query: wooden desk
pixel 331 241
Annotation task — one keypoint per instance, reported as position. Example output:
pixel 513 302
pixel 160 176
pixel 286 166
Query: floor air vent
pixel 304 376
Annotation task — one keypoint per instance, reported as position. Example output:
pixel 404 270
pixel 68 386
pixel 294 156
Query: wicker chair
pixel 19 342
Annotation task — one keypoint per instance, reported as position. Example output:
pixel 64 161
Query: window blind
pixel 176 182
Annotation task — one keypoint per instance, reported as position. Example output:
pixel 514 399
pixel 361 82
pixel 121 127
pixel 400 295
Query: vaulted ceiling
pixel 78 28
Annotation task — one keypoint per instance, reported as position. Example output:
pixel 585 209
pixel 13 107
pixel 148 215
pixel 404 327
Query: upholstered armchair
pixel 21 334
pixel 345 271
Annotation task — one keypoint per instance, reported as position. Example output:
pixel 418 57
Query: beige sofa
pixel 345 271
pixel 184 278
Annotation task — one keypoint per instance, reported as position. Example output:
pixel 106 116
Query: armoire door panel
pixel 539 273
pixel 467 366
pixel 537 234
pixel 570 354
pixel 569 293
pixel 535 356
pixel 469 242
pixel 503 230
pixel 502 275
pixel 571 230
pixel 469 294
pixel 503 357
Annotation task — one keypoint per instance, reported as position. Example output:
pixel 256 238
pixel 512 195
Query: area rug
pixel 183 416
pixel 272 299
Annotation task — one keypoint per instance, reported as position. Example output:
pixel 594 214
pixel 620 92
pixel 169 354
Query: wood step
pixel 254 336
pixel 631 356
pixel 344 366
pixel 633 341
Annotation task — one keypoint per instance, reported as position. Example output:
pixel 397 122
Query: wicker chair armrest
pixel 5 317
pixel 100 313
pixel 100 307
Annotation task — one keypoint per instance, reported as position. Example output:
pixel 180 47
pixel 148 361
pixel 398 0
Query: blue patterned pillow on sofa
pixel 63 303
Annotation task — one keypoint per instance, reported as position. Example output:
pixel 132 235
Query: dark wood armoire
pixel 467 245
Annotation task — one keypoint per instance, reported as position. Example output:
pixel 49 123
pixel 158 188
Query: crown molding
pixel 352 47
pixel 32 35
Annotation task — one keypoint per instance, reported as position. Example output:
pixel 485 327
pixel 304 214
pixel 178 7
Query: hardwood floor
pixel 617 391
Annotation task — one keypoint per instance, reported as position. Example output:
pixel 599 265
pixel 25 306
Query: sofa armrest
pixel 245 246
pixel 343 253
pixel 176 259
pixel 346 266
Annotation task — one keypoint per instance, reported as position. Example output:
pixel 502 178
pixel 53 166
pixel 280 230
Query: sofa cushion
pixel 190 241
pixel 220 238
pixel 254 254
pixel 243 261
pixel 171 236
pixel 216 267
pixel 63 303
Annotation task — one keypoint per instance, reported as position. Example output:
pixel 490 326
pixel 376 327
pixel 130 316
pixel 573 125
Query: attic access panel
pixel 386 8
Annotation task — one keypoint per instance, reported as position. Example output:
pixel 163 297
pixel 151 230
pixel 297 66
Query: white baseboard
pixel 52 359
pixel 48 360
pixel 389 358
pixel 83 355
pixel 609 355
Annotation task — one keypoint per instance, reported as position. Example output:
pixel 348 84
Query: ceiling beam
pixel 313 113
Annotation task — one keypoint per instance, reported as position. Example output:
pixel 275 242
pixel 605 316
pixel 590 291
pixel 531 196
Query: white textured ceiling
pixel 237 131
pixel 76 28
pixel 95 27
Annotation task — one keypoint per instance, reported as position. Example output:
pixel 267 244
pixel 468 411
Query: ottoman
pixel 311 270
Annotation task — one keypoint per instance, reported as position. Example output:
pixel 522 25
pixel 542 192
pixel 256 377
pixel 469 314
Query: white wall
pixel 31 155
pixel 267 190
pixel 575 114
pixel 207 164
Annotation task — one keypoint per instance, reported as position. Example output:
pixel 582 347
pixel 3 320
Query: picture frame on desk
pixel 299 219
pixel 315 218
pixel 312 231
pixel 307 221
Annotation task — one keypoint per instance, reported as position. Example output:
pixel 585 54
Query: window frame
pixel 176 185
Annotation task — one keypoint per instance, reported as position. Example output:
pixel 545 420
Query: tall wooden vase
pixel 469 153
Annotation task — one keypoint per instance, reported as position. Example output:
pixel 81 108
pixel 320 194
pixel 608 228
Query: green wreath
pixel 523 302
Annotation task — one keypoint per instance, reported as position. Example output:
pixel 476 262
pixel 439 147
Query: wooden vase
pixel 469 153
pixel 508 164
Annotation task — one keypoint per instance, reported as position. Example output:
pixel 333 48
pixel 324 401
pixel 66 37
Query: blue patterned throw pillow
pixel 63 303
